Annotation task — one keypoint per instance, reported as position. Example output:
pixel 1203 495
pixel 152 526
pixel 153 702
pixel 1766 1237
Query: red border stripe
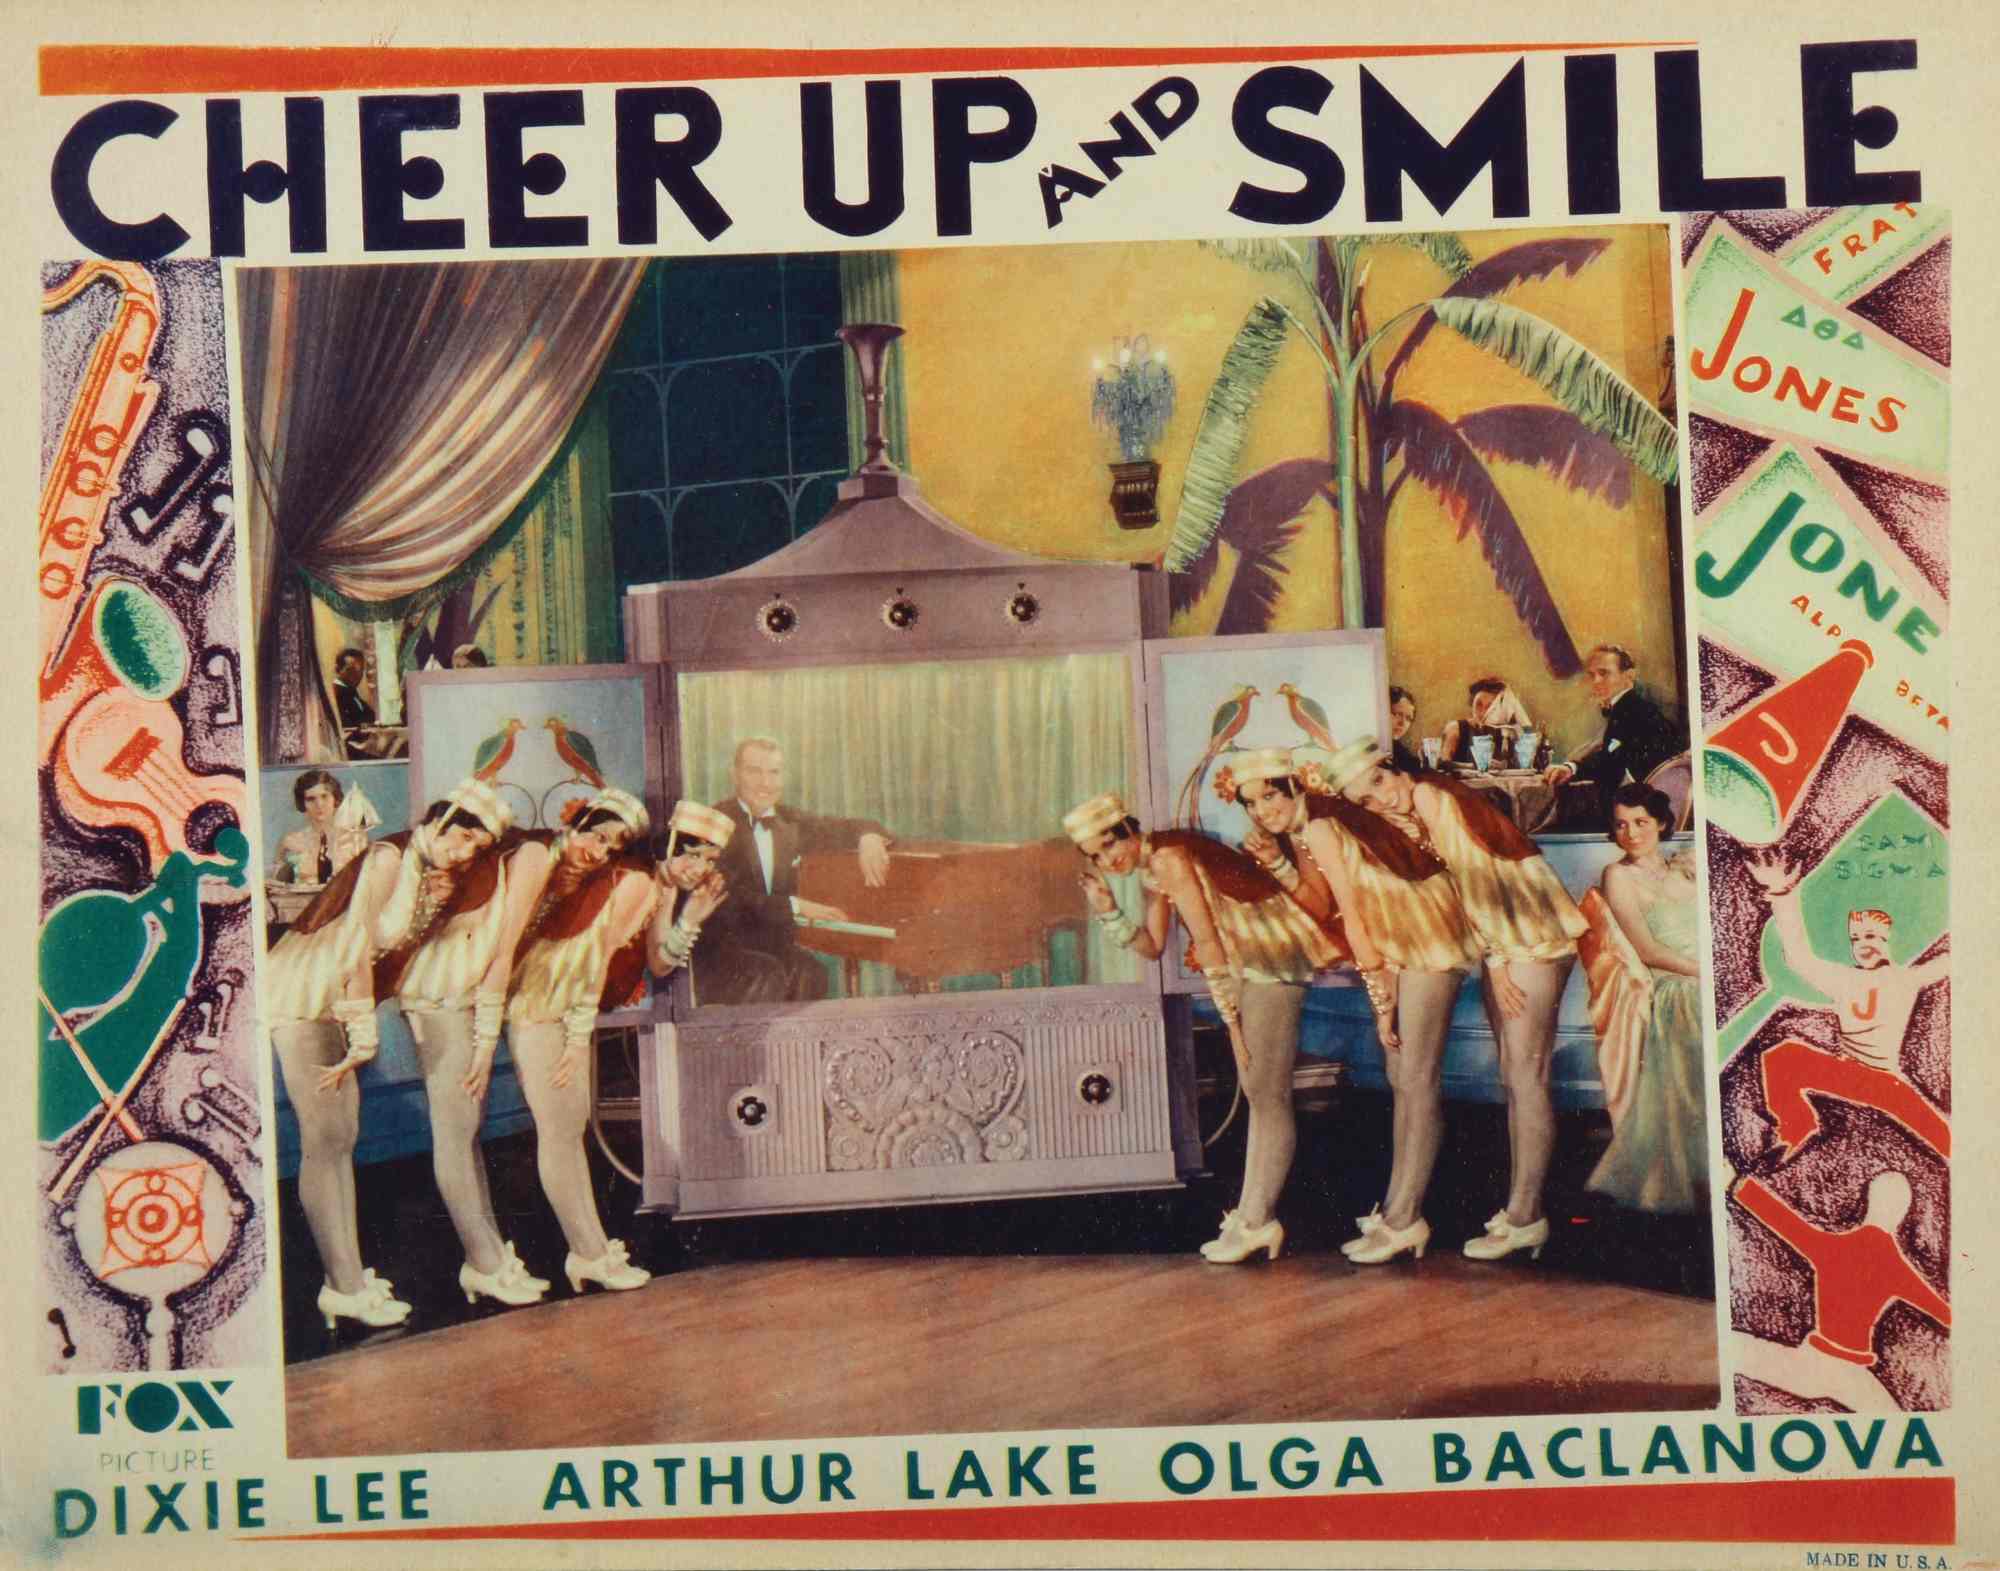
pixel 111 70
pixel 1828 1511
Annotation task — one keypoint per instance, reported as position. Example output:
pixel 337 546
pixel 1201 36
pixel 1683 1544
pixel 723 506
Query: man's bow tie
pixel 764 821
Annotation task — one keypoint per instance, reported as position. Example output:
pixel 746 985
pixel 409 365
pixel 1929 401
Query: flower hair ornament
pixel 1313 777
pixel 1225 783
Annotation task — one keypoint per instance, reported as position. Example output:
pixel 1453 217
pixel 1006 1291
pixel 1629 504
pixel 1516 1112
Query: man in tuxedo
pixel 1638 737
pixel 350 668
pixel 749 951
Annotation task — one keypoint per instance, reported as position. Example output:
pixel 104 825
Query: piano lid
pixel 881 523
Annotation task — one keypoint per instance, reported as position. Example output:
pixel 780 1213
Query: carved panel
pixel 925 1099
pixel 991 1085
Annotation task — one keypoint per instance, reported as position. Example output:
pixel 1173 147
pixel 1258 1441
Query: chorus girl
pixel 453 989
pixel 321 983
pixel 1256 948
pixel 691 888
pixel 1401 916
pixel 581 952
pixel 1525 926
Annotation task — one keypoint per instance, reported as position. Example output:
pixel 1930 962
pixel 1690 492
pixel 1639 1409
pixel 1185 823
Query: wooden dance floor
pixel 792 1349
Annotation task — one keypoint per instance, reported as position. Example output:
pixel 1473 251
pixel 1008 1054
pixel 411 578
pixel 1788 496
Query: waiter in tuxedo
pixel 1638 736
pixel 749 951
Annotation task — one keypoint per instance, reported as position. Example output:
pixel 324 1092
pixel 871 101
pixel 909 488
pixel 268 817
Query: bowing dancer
pixel 1256 948
pixel 582 951
pixel 697 836
pixel 453 989
pixel 321 982
pixel 1525 925
pixel 1402 918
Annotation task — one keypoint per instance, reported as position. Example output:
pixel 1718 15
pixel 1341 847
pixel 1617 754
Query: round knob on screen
pixel 1023 608
pixel 752 1110
pixel 1095 1089
pixel 777 619
pixel 900 613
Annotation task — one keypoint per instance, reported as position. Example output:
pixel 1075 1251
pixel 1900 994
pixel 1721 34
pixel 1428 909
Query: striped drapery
pixel 558 600
pixel 395 417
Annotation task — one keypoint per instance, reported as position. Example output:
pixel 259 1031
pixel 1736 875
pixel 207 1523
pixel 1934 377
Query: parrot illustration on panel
pixel 574 748
pixel 1230 718
pixel 495 751
pixel 1308 717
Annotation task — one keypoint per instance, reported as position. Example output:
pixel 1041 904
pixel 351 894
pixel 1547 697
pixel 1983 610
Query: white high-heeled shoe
pixel 613 1270
pixel 372 1305
pixel 513 1262
pixel 1225 1236
pixel 1369 1225
pixel 510 1284
pixel 1386 1243
pixel 1503 1237
pixel 1238 1243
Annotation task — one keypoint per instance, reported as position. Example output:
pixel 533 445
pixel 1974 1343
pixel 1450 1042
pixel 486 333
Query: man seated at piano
pixel 749 951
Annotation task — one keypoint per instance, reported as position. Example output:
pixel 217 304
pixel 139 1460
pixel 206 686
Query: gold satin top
pixel 1271 940
pixel 306 974
pixel 1518 910
pixel 560 974
pixel 1418 924
pixel 446 971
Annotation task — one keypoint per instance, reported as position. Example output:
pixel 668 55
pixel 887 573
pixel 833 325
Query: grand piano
pixel 951 911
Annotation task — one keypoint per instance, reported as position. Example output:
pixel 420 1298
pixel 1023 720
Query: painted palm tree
pixel 1595 430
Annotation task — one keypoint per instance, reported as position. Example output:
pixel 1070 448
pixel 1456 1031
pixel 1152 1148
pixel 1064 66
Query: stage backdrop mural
pixel 1510 469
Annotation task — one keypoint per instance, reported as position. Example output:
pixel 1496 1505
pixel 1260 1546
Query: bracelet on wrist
pixel 1118 927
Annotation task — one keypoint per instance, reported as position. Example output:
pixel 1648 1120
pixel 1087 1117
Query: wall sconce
pixel 1133 396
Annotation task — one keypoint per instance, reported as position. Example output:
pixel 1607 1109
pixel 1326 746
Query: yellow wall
pixel 997 373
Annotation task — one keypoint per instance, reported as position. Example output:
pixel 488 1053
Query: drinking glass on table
pixel 1482 753
pixel 1433 751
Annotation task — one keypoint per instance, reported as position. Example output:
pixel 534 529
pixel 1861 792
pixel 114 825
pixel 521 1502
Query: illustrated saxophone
pixel 113 403
pixel 112 654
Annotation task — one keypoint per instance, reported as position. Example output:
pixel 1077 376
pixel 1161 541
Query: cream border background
pixel 1956 41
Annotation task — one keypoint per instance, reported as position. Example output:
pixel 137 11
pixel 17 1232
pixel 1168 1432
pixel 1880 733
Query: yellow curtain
pixel 557 603
pixel 984 750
